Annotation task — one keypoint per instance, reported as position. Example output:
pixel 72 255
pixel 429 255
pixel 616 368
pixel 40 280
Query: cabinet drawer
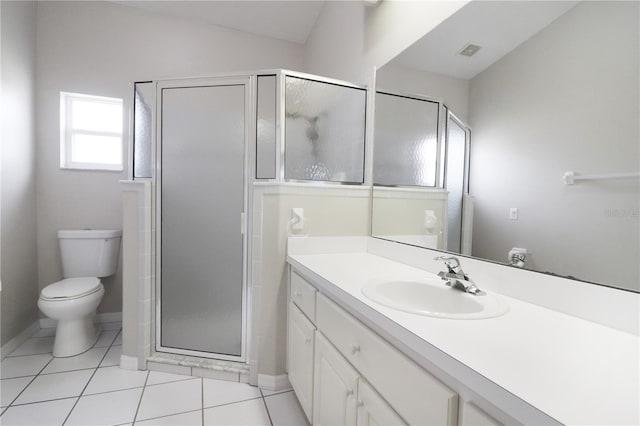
pixel 414 393
pixel 303 295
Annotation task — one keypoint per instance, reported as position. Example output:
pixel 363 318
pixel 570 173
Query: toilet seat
pixel 71 288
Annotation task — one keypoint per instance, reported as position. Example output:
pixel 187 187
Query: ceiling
pixel 497 26
pixel 285 20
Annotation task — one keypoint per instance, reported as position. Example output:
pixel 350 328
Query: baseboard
pixel 12 344
pixel 128 362
pixel 99 319
pixel 273 383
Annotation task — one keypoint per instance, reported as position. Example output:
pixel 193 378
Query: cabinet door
pixel 373 410
pixel 300 346
pixel 334 388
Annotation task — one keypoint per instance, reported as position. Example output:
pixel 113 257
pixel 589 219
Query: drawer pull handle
pixel 307 339
pixel 360 403
pixel 349 392
pixel 355 349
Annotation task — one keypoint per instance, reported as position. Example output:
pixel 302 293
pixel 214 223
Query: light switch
pixel 513 213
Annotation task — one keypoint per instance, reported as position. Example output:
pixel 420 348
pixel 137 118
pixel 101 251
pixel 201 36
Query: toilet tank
pixel 89 252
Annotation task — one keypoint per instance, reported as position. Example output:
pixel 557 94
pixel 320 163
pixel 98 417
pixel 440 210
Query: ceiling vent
pixel 469 50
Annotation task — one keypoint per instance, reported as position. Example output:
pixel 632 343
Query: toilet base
pixel 74 336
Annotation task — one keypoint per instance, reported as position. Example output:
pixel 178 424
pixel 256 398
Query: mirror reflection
pixel 549 88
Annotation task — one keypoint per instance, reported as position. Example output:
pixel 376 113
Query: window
pixel 90 132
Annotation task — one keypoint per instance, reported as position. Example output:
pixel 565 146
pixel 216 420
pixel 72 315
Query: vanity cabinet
pixel 373 410
pixel 358 377
pixel 335 387
pixel 300 353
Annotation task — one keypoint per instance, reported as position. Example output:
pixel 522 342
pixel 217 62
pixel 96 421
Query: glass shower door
pixel 201 199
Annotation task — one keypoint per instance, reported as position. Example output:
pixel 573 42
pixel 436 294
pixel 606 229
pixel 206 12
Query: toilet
pixel 87 255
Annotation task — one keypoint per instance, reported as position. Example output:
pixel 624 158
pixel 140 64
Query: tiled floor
pixel 91 389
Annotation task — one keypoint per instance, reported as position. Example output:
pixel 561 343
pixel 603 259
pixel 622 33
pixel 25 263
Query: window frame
pixel 67 132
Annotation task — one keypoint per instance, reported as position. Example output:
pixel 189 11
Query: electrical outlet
pixel 513 213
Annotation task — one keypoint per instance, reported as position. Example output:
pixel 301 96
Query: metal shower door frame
pixel 248 82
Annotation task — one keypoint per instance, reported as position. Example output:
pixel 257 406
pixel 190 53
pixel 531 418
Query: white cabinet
pixel 345 374
pixel 335 387
pixel 416 395
pixel 373 410
pixel 300 350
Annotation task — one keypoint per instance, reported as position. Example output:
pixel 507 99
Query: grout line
pixel 44 400
pixel 266 407
pixel 29 384
pixel 230 403
pixel 135 416
pixel 88 381
pixel 68 371
pixel 174 381
pixel 168 415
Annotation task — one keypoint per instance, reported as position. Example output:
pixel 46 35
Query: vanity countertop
pixel 535 364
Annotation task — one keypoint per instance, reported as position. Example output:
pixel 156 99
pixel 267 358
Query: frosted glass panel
pixel 143 104
pixel 324 131
pixel 202 200
pixel 454 181
pixel 266 128
pixel 406 145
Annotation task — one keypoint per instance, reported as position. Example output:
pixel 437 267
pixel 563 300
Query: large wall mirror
pixel 550 92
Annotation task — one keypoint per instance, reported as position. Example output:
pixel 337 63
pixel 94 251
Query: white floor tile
pixel 106 338
pixel 34 345
pixel 45 332
pixel 10 388
pixel 118 340
pixel 50 413
pixel 29 365
pixel 114 378
pixel 285 410
pixel 112 408
pixel 251 412
pixel 113 356
pixel 55 386
pixel 193 418
pixel 157 377
pixel 111 325
pixel 170 398
pixel 266 392
pixel 219 392
pixel 88 359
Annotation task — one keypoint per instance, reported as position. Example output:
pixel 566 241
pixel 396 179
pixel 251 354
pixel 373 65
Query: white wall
pixel 350 38
pixel 454 92
pixel 567 99
pixel 329 210
pixel 18 228
pixel 98 48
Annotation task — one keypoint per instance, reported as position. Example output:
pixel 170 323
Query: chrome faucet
pixel 456 277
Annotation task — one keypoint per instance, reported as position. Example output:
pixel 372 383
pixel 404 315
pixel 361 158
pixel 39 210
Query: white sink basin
pixel 431 297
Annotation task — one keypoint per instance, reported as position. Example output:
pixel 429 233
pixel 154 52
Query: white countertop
pixel 572 370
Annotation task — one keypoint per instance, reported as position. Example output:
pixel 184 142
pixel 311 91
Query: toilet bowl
pixel 87 255
pixel 72 302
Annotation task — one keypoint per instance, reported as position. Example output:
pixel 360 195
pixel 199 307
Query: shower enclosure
pixel 202 143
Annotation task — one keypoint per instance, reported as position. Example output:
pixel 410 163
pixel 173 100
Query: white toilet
pixel 87 255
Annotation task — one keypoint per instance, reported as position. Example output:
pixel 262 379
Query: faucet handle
pixel 452 262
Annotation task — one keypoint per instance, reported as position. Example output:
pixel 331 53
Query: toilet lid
pixel 71 287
